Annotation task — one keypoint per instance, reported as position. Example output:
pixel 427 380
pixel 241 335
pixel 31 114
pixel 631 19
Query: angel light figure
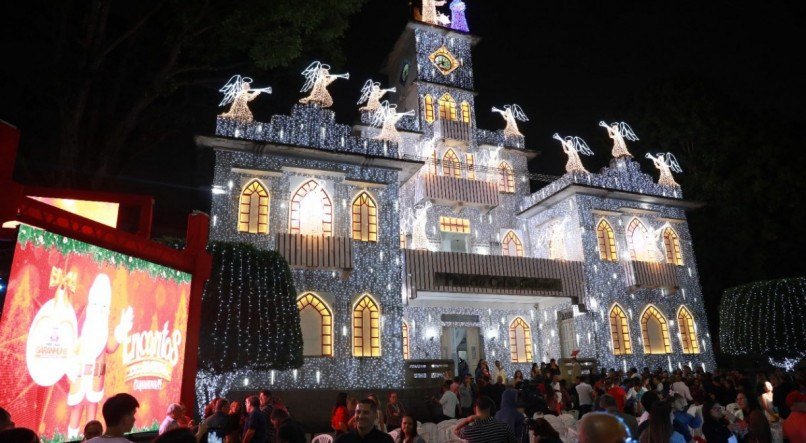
pixel 511 114
pixel 573 146
pixel 418 220
pixel 666 163
pixel 386 117
pixel 317 78
pixel 429 11
pixel 239 92
pixel 618 131
pixel 371 94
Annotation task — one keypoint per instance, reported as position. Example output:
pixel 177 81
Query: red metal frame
pixel 16 205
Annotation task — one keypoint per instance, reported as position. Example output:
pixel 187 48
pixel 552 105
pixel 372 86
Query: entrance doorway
pixel 464 344
pixel 568 342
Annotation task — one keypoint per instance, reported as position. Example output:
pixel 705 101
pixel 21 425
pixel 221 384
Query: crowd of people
pixel 489 406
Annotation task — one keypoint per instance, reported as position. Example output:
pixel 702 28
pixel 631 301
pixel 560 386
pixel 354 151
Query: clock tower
pixel 432 68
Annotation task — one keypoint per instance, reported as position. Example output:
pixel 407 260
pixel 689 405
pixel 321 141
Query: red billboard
pixel 81 323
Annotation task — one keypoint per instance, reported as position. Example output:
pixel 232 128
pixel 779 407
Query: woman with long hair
pixel 380 420
pixel 660 428
pixel 339 416
pixel 534 372
pixel 753 427
pixel 408 431
pixel 715 425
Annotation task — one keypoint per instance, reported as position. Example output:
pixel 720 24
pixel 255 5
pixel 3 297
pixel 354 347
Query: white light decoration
pixel 619 131
pixel 573 146
pixel 386 117
pixel 666 163
pixel 238 92
pixel 317 78
pixel 371 94
pixel 429 13
pixel 512 113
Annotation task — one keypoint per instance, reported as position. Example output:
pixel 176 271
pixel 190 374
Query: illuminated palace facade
pixel 434 247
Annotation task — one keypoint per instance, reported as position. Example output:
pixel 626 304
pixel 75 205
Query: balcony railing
pixel 316 251
pixel 452 191
pixel 491 274
pixel 452 132
pixel 642 274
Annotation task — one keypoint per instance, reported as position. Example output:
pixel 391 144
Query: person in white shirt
pixel 499 371
pixel 680 388
pixel 118 412
pixel 449 402
pixel 175 411
pixel 585 394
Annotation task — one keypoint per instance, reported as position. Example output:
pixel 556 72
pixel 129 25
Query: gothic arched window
pixel 506 178
pixel 688 334
pixel 638 241
pixel 671 243
pixel 511 245
pixel 365 218
pixel 607 241
pixel 451 166
pixel 619 331
pixel 316 321
pixel 447 108
pixel 311 210
pixel 366 328
pixel 520 341
pixel 428 103
pixel 253 209
pixel 655 331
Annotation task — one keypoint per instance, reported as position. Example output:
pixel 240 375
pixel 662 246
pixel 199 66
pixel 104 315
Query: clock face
pixel 404 72
pixel 444 60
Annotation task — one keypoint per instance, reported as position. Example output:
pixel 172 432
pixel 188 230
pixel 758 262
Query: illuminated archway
pixel 447 108
pixel 688 334
pixel 311 210
pixel 619 331
pixel 253 209
pixel 520 341
pixel 671 243
pixel 607 241
pixel 465 112
pixel 506 178
pixel 511 245
pixel 451 166
pixel 316 321
pixel 638 241
pixel 366 327
pixel 655 332
pixel 365 218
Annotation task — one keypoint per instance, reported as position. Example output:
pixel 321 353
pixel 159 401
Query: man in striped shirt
pixel 483 428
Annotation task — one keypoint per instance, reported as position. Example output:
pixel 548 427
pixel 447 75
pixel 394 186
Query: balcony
pixel 457 192
pixel 648 275
pixel 452 133
pixel 491 274
pixel 316 251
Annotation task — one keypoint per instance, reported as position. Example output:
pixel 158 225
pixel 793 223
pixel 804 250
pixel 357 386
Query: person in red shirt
pixel 616 392
pixel 339 417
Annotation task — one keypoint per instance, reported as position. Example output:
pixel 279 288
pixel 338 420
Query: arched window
pixel 607 241
pixel 511 245
pixel 253 209
pixel 451 166
pixel 655 331
pixel 316 321
pixel 465 112
pixel 311 210
pixel 620 331
pixel 506 178
pixel 366 328
pixel 365 218
pixel 405 341
pixel 429 108
pixel 447 108
pixel 671 243
pixel 520 341
pixel 471 166
pixel 688 335
pixel 638 241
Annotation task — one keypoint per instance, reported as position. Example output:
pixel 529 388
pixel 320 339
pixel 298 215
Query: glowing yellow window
pixel 607 241
pixel 520 341
pixel 405 341
pixel 428 103
pixel 638 241
pixel 451 166
pixel 671 243
pixel 619 331
pixel 465 112
pixel 471 166
pixel 655 331
pixel 316 321
pixel 511 245
pixel 253 211
pixel 365 218
pixel 688 334
pixel 366 328
pixel 447 108
pixel 452 224
pixel 506 178
pixel 311 210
